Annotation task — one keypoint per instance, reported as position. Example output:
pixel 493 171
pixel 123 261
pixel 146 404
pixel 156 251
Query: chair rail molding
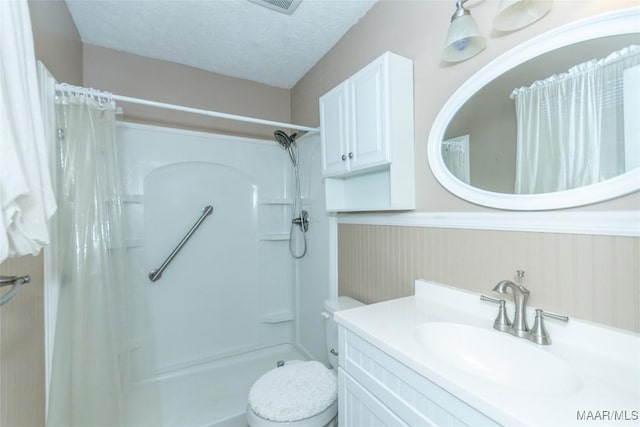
pixel 607 223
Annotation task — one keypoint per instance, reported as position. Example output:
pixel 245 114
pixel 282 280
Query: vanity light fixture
pixel 463 39
pixel 516 14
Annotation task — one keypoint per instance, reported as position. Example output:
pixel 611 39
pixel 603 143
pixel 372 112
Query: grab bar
pixel 16 282
pixel 156 273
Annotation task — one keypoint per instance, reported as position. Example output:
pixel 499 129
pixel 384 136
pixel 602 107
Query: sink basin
pixel 497 357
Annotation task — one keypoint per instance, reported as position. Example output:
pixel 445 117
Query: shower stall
pixel 233 301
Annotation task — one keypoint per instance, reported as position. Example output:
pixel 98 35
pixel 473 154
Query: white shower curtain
pixel 570 127
pixel 89 382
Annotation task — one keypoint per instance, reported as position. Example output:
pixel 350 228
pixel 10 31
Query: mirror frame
pixel 624 21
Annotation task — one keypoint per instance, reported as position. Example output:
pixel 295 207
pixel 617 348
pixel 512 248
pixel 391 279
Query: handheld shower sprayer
pixel 300 216
pixel 288 143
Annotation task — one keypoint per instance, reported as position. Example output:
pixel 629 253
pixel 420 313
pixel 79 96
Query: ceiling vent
pixel 282 6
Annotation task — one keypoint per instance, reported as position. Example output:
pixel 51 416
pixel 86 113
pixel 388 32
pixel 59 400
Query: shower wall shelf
pixel 274 236
pixel 275 202
pixel 277 317
pixel 367 138
pixel 273 223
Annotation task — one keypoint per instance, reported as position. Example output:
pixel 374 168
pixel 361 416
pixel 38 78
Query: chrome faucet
pixel 538 333
pixel 519 326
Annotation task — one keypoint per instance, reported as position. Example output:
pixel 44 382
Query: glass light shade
pixel 463 39
pixel 515 14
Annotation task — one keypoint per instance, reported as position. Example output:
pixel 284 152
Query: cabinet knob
pixel 344 157
pixel 351 155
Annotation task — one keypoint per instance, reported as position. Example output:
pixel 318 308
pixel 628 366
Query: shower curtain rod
pixel 61 87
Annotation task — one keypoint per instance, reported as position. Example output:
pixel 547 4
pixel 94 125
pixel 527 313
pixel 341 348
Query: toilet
pixel 301 393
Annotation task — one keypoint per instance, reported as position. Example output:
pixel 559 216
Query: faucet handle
pixel 554 316
pixel 502 322
pixel 489 299
pixel 538 333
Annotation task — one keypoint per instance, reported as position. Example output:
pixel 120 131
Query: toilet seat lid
pixel 293 392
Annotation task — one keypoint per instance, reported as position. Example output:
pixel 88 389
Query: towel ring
pixel 15 282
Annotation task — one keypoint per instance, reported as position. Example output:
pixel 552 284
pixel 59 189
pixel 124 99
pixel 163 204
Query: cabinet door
pixel 359 408
pixel 333 126
pixel 368 116
pixel 417 402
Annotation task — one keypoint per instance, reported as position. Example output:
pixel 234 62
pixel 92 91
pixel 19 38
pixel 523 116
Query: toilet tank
pixel 331 306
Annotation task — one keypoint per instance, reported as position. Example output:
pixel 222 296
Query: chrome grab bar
pixel 15 282
pixel 156 273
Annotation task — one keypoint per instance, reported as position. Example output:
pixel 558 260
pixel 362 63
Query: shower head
pixel 283 139
pixel 288 143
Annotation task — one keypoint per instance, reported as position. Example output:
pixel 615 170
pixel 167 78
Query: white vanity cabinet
pixel 377 390
pixel 367 138
pixel 434 359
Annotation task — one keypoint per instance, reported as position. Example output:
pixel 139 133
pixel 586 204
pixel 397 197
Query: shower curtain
pixel 89 380
pixel 455 153
pixel 570 127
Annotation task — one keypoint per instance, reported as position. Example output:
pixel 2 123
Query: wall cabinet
pixel 376 389
pixel 367 138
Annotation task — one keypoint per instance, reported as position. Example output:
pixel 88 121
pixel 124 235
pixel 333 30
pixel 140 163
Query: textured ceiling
pixel 231 37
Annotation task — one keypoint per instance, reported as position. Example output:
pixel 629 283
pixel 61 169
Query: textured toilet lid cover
pixel 293 392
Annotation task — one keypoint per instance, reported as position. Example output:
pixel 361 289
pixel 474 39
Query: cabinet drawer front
pixel 358 408
pixel 415 399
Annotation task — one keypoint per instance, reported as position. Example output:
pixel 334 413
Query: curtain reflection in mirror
pixel 455 153
pixel 571 127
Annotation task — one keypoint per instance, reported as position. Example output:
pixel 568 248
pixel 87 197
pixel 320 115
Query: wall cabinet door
pixel 333 116
pixel 368 120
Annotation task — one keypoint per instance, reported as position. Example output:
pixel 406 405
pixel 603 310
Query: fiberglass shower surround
pixel 228 305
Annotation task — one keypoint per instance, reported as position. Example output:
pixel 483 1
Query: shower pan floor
pixel 215 394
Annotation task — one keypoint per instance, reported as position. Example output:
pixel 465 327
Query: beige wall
pixel 22 395
pixel 580 275
pixel 492 134
pixel 139 77
pixel 489 118
pixel 22 347
pixel 57 42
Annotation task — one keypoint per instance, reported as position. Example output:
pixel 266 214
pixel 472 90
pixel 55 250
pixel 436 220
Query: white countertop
pixel 605 360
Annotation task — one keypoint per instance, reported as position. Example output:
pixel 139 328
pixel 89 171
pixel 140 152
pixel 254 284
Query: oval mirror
pixel 523 133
